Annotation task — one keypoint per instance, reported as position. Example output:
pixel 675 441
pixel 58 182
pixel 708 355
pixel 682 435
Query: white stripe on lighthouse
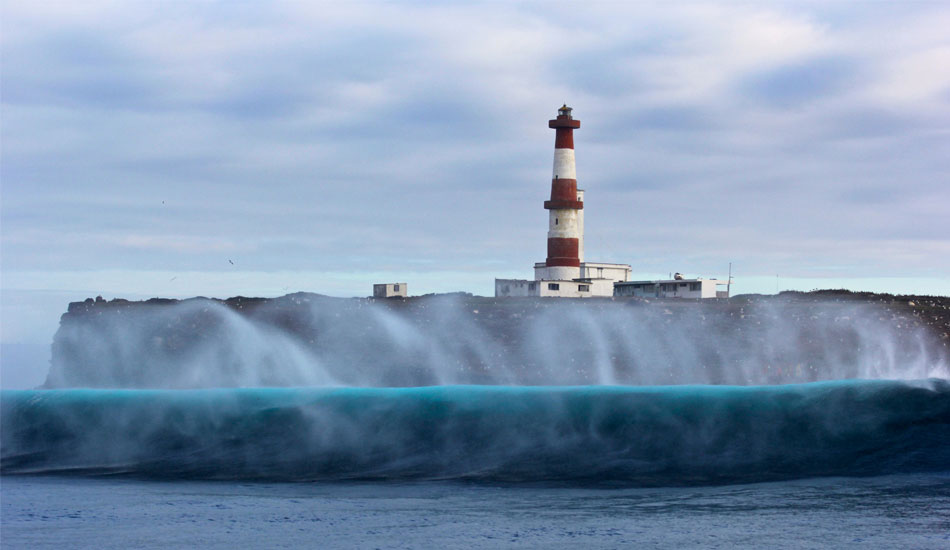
pixel 562 224
pixel 564 165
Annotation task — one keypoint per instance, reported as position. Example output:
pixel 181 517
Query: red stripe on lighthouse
pixel 564 139
pixel 563 205
pixel 563 252
pixel 563 190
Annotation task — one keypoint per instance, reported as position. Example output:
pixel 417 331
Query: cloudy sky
pixel 222 148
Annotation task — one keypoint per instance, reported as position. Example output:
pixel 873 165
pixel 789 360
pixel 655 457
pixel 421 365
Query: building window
pixel 530 286
pixel 695 286
pixel 583 288
pixel 554 286
pixel 555 221
pixel 395 288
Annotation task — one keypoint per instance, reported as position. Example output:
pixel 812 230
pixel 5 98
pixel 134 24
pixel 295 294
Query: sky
pixel 223 148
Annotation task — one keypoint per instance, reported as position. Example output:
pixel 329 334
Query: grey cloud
pixel 802 82
pixel 76 68
pixel 674 118
pixel 677 127
pixel 870 121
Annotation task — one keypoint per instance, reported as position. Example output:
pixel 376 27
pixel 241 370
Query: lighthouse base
pixel 590 280
pixel 544 272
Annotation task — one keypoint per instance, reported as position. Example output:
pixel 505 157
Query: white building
pixel 675 288
pixel 594 279
pixel 390 290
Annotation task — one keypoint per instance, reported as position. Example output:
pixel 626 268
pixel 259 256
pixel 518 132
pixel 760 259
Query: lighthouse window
pixel 554 286
pixel 555 221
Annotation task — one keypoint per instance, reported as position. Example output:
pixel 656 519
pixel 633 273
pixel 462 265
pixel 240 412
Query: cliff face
pixel 307 339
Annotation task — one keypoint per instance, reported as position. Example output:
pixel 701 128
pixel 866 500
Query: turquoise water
pixel 616 436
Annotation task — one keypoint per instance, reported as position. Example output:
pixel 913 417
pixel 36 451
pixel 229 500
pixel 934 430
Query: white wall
pixel 571 289
pixel 565 288
pixel 614 272
pixel 555 273
pixel 602 287
pixel 670 289
pixel 709 289
pixel 516 287
pixel 388 290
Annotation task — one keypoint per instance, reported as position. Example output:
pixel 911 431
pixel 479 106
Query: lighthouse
pixel 564 273
pixel 565 207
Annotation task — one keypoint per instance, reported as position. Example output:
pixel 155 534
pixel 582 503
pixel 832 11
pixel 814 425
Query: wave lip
pixel 618 435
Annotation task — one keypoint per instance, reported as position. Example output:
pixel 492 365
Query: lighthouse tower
pixel 566 206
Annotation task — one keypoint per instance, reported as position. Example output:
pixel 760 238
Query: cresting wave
pixel 591 435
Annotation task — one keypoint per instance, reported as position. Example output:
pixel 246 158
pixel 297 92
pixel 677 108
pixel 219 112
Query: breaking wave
pixel 307 340
pixel 589 435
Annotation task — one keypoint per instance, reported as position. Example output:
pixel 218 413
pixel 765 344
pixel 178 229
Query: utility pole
pixel 729 282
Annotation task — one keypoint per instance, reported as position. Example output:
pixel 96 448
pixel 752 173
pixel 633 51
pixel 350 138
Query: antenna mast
pixel 729 282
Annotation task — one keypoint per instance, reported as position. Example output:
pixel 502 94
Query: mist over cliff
pixel 312 340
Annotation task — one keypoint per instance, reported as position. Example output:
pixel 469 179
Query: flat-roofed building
pixel 674 288
pixel 390 290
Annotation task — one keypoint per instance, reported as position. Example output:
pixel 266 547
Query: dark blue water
pixel 910 511
pixel 830 464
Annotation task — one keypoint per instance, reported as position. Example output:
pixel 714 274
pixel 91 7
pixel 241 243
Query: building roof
pixel 667 281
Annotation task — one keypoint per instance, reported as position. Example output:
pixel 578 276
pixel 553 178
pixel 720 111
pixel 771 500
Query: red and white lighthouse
pixel 564 273
pixel 566 206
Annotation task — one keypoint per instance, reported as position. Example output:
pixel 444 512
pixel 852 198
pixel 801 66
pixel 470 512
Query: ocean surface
pixel 910 511
pixel 838 464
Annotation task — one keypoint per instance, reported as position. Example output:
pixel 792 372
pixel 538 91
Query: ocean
pixel 897 511
pixel 838 464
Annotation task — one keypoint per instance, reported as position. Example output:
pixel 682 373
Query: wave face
pixel 621 435
pixel 307 340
